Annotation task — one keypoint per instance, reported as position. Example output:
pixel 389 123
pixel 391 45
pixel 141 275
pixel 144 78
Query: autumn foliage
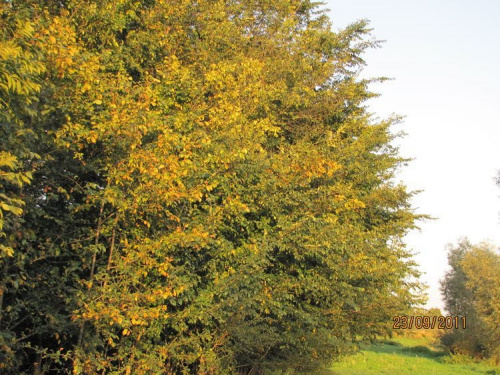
pixel 192 187
pixel 471 288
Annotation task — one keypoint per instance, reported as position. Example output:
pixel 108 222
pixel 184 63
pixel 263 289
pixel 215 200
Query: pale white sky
pixel 444 56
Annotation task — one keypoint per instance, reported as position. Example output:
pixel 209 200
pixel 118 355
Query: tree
pixel 470 289
pixel 20 70
pixel 482 268
pixel 212 194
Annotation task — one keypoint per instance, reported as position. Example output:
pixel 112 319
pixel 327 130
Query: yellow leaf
pixel 86 87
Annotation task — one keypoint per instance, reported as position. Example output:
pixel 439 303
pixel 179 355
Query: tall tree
pixel 470 289
pixel 212 194
pixel 482 268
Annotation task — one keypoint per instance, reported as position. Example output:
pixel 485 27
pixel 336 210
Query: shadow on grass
pixel 393 347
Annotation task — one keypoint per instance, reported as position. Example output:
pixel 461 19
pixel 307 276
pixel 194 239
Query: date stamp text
pixel 429 322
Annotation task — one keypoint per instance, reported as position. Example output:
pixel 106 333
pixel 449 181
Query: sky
pixel 443 56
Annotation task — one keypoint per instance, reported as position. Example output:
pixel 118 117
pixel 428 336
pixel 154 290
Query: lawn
pixel 401 356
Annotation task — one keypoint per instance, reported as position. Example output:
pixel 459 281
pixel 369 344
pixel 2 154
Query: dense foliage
pixel 471 288
pixel 192 187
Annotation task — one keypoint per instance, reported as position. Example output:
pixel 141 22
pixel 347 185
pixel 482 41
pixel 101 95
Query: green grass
pixel 412 356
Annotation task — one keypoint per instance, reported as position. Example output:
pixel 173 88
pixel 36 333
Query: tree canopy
pixel 471 288
pixel 192 187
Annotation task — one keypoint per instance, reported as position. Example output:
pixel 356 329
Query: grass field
pixel 401 356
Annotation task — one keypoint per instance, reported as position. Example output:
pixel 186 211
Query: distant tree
pixel 457 298
pixel 482 269
pixel 471 289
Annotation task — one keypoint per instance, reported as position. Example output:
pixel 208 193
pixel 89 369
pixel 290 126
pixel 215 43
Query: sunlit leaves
pixel 471 289
pixel 214 193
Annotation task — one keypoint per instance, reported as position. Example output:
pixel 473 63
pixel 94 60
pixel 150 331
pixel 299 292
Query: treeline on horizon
pixel 192 187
